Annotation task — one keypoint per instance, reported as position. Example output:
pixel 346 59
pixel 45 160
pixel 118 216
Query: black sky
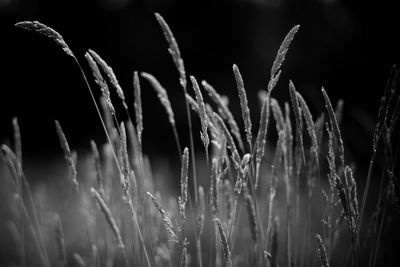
pixel 346 46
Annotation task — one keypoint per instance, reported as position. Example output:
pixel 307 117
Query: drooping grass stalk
pixel 243 105
pixel 177 58
pixel 58 39
pixel 164 99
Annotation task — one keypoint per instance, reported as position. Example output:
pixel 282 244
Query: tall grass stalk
pixel 176 56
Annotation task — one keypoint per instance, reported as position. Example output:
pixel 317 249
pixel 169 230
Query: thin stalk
pixel 135 220
pixel 35 218
pixel 189 118
pixel 375 253
pixel 365 194
pixel 38 241
pixel 98 113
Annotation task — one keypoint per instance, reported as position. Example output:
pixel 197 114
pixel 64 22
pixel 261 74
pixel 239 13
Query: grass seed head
pixel 173 49
pixel 261 136
pixel 334 125
pixel 110 74
pixel 169 227
pixel 243 104
pixel 17 139
pixel 110 219
pixel 224 112
pixel 322 251
pixel 224 240
pixel 46 31
pixel 161 94
pixel 68 155
pixel 202 112
pixel 98 77
pixel 184 183
pixel 309 123
pixel 138 106
pixel 283 49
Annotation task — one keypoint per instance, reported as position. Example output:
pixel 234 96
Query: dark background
pixel 346 46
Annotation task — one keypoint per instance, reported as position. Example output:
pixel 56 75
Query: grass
pixel 295 206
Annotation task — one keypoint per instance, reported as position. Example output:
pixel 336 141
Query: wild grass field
pixel 278 191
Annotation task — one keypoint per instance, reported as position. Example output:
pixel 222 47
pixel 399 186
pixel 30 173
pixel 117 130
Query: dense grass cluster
pixel 296 205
